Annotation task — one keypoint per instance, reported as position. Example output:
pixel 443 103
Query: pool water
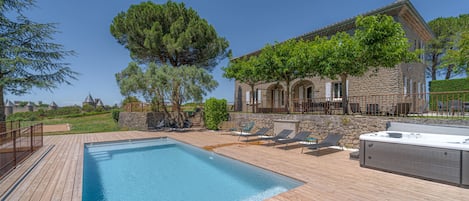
pixel 166 169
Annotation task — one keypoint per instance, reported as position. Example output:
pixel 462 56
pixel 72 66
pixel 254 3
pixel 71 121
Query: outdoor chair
pixel 283 134
pixel 160 125
pixel 330 140
pixel 260 132
pixel 372 109
pixel 442 107
pixel 355 108
pixel 456 105
pixel 301 136
pixel 247 127
pixel 400 108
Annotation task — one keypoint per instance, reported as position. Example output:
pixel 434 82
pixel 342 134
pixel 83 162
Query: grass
pixel 85 124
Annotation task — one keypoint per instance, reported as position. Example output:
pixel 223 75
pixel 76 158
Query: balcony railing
pixel 17 143
pixel 443 104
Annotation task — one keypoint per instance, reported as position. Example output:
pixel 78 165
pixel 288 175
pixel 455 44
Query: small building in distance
pixel 95 103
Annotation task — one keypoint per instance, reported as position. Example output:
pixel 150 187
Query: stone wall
pixel 139 120
pixel 349 125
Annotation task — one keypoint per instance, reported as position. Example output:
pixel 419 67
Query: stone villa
pixel 405 79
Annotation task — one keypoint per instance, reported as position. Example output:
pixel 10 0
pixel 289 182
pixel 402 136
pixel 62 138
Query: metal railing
pixel 146 107
pixel 440 104
pixel 17 144
pixel 9 125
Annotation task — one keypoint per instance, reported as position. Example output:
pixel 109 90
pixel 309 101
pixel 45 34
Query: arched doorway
pixel 275 98
pixel 303 94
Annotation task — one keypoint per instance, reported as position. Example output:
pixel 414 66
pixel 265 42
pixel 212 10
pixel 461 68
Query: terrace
pixel 329 175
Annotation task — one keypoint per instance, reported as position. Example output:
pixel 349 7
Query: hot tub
pixel 439 157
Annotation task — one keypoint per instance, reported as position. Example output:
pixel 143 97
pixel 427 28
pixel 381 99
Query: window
pixel 337 90
pixel 283 98
pixel 309 93
pixel 259 96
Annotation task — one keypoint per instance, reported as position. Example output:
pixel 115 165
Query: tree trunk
pixel 434 65
pixel 449 70
pixel 343 78
pixel 253 99
pixel 2 111
pixel 287 101
pixel 178 115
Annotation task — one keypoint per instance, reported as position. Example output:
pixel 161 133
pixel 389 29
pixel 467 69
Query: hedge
pixel 215 112
pixel 461 86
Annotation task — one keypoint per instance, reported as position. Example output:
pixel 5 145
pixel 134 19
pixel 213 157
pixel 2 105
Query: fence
pixel 441 104
pixel 17 144
pixel 146 107
pixel 9 125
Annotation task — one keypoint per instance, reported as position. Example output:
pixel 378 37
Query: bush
pixel 24 116
pixel 88 108
pixel 448 90
pixel 215 112
pixel 115 115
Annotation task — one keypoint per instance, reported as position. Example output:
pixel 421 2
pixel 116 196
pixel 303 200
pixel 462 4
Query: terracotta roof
pixel 397 8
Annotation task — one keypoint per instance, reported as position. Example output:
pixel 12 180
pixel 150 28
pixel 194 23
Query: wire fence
pixel 18 143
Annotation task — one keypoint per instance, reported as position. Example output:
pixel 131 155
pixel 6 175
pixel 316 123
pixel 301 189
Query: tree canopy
pixel 169 33
pixel 28 58
pixel 247 71
pixel 285 62
pixel 444 52
pixel 156 84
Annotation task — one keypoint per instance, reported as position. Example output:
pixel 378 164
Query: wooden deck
pixel 330 175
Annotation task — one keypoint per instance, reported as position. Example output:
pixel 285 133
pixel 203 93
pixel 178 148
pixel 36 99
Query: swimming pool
pixel 166 169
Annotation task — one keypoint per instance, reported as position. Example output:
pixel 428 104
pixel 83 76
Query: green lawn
pixel 85 124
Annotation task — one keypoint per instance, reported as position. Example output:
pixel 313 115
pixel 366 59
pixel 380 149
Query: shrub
pixel 115 115
pixel 215 112
pixel 88 108
pixel 24 116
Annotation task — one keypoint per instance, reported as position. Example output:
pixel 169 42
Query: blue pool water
pixel 166 169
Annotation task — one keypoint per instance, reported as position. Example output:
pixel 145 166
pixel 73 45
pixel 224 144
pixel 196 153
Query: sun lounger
pixel 260 132
pixel 283 134
pixel 301 136
pixel 330 140
pixel 247 127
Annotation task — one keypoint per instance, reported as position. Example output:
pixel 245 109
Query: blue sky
pixel 247 24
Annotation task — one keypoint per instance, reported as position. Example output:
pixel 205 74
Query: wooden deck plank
pixel 27 188
pixel 329 176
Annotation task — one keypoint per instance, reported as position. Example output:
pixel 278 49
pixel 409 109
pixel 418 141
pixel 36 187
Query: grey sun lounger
pixel 330 140
pixel 301 136
pixel 283 134
pixel 260 132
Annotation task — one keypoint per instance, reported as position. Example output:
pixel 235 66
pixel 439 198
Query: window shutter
pixel 346 88
pixel 259 95
pixel 328 90
pixel 248 98
pixel 405 85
